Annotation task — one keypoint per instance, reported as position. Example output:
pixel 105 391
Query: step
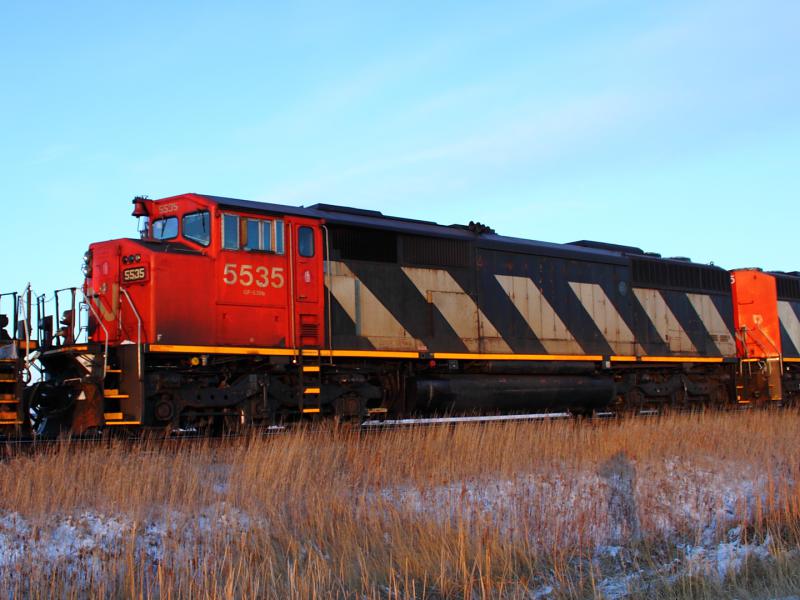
pixel 308 411
pixel 114 394
pixel 310 369
pixel 8 378
pixel 377 411
pixel 311 390
pixel 111 371
pixel 8 399
pixel 8 416
pixel 118 418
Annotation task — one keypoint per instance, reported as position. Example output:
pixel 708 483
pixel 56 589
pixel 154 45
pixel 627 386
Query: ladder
pixel 309 378
pixel 10 389
pixel 113 400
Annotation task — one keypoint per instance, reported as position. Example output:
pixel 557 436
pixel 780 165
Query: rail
pixel 138 331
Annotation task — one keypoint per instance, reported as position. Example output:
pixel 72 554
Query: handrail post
pixel 138 330
pixel 105 331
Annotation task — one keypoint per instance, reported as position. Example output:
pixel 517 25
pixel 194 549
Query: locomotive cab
pixel 204 274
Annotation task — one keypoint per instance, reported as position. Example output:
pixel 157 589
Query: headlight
pixel 87 264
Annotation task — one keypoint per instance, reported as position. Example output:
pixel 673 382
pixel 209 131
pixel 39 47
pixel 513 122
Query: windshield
pixel 197 227
pixel 165 229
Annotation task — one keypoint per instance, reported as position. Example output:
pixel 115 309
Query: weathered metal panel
pixel 789 313
pixel 715 325
pixel 372 319
pixel 665 322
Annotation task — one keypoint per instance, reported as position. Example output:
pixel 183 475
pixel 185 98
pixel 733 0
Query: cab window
pixel 305 242
pixel 251 234
pixel 165 229
pixel 197 227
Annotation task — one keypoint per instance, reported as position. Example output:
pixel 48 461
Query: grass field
pixel 686 506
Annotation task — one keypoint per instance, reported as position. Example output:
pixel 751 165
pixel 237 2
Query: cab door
pixel 308 281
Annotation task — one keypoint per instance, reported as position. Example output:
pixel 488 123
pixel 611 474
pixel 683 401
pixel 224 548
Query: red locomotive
pixel 228 312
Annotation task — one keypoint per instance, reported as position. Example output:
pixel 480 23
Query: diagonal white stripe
pixel 373 320
pixel 790 323
pixel 608 320
pixel 539 315
pixel 714 323
pixel 458 309
pixel 664 321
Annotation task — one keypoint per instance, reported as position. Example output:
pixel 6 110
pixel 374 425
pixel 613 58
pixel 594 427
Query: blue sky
pixel 670 126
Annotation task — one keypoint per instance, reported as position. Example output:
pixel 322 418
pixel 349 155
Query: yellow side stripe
pixel 223 350
pixel 460 356
pixel 677 359
pixel 368 354
pixel 791 360
pixel 419 355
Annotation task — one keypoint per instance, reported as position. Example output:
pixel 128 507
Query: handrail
pixel 27 330
pixel 292 303
pixel 105 331
pixel 329 277
pixel 138 330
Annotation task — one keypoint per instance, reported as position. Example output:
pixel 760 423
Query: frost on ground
pixel 694 512
pixel 81 545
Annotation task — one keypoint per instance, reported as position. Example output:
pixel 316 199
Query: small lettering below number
pixel 263 277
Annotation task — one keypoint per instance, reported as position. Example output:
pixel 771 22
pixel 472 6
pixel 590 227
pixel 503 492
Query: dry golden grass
pixel 476 511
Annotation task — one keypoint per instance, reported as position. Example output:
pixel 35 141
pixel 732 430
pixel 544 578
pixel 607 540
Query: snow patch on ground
pixel 81 544
pixel 693 511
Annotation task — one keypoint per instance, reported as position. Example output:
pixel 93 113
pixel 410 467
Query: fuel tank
pixel 512 393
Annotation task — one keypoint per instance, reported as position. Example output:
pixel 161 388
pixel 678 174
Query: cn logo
pixel 758 320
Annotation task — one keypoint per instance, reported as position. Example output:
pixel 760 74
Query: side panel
pixel 789 314
pixel 558 306
pixel 252 297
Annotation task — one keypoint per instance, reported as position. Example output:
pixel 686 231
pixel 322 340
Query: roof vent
pixel 607 246
pixel 475 227
pixel 346 210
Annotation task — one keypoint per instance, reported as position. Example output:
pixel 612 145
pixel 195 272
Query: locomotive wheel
pixel 46 407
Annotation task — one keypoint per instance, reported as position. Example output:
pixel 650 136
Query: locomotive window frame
pixel 230 232
pixel 252 234
pixel 161 225
pixel 206 221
